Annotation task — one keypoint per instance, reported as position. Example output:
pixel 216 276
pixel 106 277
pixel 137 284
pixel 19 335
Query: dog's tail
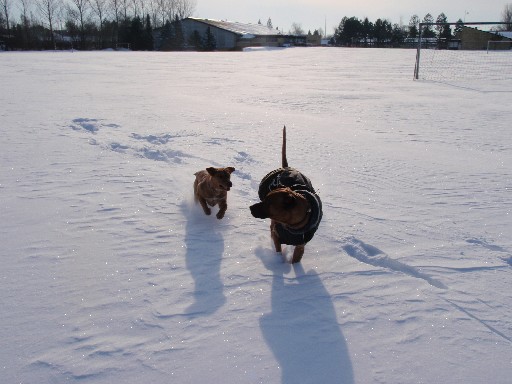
pixel 285 161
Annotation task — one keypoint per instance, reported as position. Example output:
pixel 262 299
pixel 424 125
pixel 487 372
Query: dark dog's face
pixel 282 205
pixel 221 177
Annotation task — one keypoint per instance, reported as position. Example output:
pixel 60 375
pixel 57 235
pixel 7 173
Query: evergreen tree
pixel 196 41
pixel 349 31
pixel 136 34
pixel 148 35
pixel 458 27
pixel 367 30
pixel 124 32
pixel 398 35
pixel 413 26
pixel 173 38
pixel 337 37
pixel 428 31
pixel 179 37
pixel 166 34
pixel 382 32
pixel 209 43
pixel 443 30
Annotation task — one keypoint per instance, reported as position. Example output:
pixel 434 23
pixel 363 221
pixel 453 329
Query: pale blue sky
pixel 313 14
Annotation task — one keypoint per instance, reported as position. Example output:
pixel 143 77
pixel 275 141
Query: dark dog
pixel 290 201
pixel 211 187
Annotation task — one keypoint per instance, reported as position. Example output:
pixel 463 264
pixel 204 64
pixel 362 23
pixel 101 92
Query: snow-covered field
pixel 110 273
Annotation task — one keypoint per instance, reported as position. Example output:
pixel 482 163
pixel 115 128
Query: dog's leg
pixel 198 198
pixel 223 205
pixel 298 252
pixel 203 203
pixel 196 195
pixel 275 236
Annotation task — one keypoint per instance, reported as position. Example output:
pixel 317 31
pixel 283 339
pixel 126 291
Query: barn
pixel 231 35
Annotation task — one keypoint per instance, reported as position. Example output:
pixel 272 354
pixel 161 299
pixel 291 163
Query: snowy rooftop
pixel 506 34
pixel 240 28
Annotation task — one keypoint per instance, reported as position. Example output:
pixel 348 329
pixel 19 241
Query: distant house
pixel 231 35
pixel 475 39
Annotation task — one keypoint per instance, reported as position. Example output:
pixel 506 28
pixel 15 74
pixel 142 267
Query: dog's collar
pixel 302 223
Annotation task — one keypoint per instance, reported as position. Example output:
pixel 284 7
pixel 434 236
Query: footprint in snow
pixel 90 125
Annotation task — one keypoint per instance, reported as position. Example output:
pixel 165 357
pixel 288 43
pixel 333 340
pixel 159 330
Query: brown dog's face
pixel 282 205
pixel 221 177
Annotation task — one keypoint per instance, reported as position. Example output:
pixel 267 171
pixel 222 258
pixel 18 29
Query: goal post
pixel 433 54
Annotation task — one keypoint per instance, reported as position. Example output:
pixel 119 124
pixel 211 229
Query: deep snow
pixel 111 274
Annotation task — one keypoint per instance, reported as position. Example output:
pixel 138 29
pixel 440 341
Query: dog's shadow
pixel 302 330
pixel 204 249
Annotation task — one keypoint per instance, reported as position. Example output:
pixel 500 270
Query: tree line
pixel 382 33
pixel 100 24
pixel 88 24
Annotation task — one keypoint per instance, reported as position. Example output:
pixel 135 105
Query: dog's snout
pixel 258 211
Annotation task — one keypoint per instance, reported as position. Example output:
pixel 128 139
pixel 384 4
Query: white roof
pixel 240 28
pixel 505 34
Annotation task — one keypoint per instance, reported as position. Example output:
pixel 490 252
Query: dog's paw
pixel 220 215
pixel 207 211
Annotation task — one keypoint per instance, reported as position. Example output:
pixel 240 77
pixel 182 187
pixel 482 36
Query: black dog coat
pixel 297 182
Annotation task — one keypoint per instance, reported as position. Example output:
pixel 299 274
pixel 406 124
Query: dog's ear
pixel 230 170
pixel 211 170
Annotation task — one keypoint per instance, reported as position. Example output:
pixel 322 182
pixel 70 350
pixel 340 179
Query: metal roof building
pixel 231 35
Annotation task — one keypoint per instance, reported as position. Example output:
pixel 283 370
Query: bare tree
pixel 24 6
pixel 135 7
pixel 170 9
pixel 296 29
pixel 6 5
pixel 506 16
pixel 100 7
pixel 160 11
pixel 115 9
pixel 80 10
pixel 166 10
pixel 143 10
pixel 49 10
pixel 124 7
pixel 153 11
pixel 184 8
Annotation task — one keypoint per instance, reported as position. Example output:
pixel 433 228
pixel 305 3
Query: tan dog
pixel 290 201
pixel 211 187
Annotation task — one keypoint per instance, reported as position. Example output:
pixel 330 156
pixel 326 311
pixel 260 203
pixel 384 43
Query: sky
pixel 326 14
